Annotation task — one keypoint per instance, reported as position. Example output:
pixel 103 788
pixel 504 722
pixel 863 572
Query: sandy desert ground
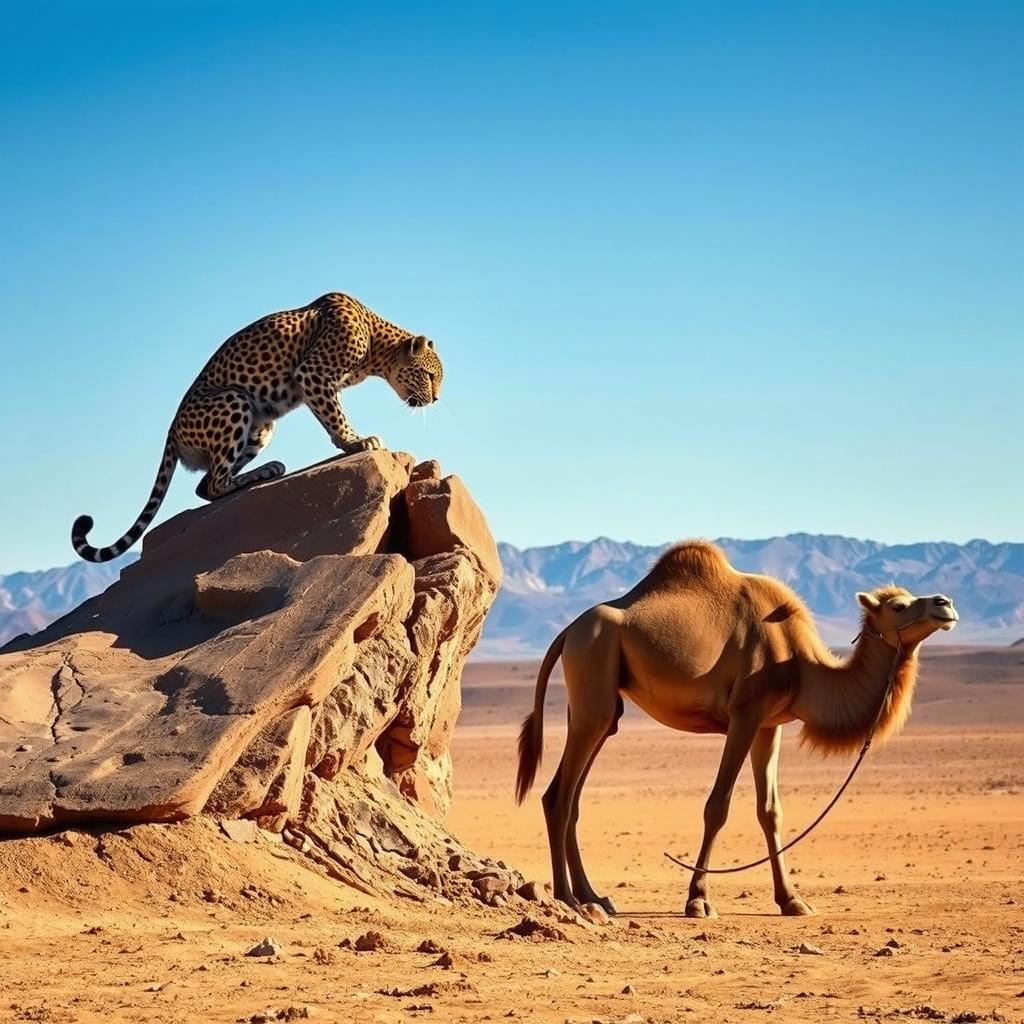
pixel 923 861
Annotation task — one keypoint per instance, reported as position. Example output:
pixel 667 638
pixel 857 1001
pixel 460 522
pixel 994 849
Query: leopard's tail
pixel 83 524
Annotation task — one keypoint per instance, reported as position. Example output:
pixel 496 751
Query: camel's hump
pixel 691 559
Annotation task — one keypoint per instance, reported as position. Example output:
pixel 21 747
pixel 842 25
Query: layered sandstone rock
pixel 291 655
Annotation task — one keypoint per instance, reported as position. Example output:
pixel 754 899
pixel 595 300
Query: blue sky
pixel 705 268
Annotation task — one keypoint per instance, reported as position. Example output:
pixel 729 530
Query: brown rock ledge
pixel 291 654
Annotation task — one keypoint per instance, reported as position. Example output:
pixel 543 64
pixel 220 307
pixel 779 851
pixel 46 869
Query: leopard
pixel 283 360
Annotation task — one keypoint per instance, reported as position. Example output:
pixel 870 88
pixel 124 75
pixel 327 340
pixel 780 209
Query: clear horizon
pixel 693 271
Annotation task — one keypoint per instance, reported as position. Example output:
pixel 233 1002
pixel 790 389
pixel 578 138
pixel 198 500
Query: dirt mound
pixel 287 658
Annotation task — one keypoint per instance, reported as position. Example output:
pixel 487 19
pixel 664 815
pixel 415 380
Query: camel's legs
pixel 581 887
pixel 764 760
pixel 742 729
pixel 591 669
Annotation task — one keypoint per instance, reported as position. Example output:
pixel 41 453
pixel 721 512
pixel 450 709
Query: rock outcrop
pixel 290 655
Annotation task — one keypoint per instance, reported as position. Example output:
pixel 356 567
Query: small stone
pixel 429 946
pixel 893 944
pixel 266 947
pixel 323 956
pixel 629 990
pixel 809 949
pixel 880 877
pixel 536 892
pixel 241 830
pixel 635 925
pixel 528 928
pixel 373 942
pixel 839 890
pixel 489 886
pixel 292 1013
pixel 24 748
pixel 445 960
pixel 885 951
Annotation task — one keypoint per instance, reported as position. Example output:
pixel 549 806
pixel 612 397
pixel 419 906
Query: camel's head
pixel 889 609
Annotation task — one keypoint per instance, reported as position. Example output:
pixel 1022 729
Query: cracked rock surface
pixel 291 654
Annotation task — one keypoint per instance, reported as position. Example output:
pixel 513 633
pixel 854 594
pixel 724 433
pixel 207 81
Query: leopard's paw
pixel 362 444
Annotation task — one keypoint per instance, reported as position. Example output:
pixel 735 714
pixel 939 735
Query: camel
pixel 704 648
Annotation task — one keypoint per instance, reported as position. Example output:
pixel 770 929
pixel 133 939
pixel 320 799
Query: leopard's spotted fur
pixel 265 370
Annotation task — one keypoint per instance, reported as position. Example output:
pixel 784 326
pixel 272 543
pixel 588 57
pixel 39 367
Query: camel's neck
pixel 838 700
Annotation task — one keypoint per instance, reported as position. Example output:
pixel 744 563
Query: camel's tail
pixel 531 737
pixel 83 524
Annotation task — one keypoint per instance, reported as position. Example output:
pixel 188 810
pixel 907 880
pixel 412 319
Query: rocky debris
pixel 433 988
pixel 490 886
pixel 629 990
pixel 286 1014
pixel 286 660
pixel 374 942
pixel 429 946
pixel 536 892
pixel 809 949
pixel 531 928
pixel 242 830
pixel 324 957
pixel 266 947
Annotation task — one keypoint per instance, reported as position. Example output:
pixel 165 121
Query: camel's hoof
pixel 796 907
pixel 700 908
pixel 609 907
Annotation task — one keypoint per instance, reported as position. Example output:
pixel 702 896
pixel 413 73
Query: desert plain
pixel 916 878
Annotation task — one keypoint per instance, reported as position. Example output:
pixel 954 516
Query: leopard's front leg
pixel 321 395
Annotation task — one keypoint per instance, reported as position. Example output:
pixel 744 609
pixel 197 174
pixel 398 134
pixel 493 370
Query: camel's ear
pixel 869 602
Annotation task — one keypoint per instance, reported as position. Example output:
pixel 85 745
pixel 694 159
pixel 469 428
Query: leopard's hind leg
pixel 222 432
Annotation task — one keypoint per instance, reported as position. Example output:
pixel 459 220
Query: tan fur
pixel 704 648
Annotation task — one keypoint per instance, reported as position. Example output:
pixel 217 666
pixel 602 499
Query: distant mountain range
pixel 31 600
pixel 546 587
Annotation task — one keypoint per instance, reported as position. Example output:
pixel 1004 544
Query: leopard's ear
pixel 414 346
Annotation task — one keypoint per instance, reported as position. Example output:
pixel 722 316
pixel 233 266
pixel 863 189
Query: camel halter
pixel 897 659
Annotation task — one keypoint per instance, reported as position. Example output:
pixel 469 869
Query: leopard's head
pixel 417 372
